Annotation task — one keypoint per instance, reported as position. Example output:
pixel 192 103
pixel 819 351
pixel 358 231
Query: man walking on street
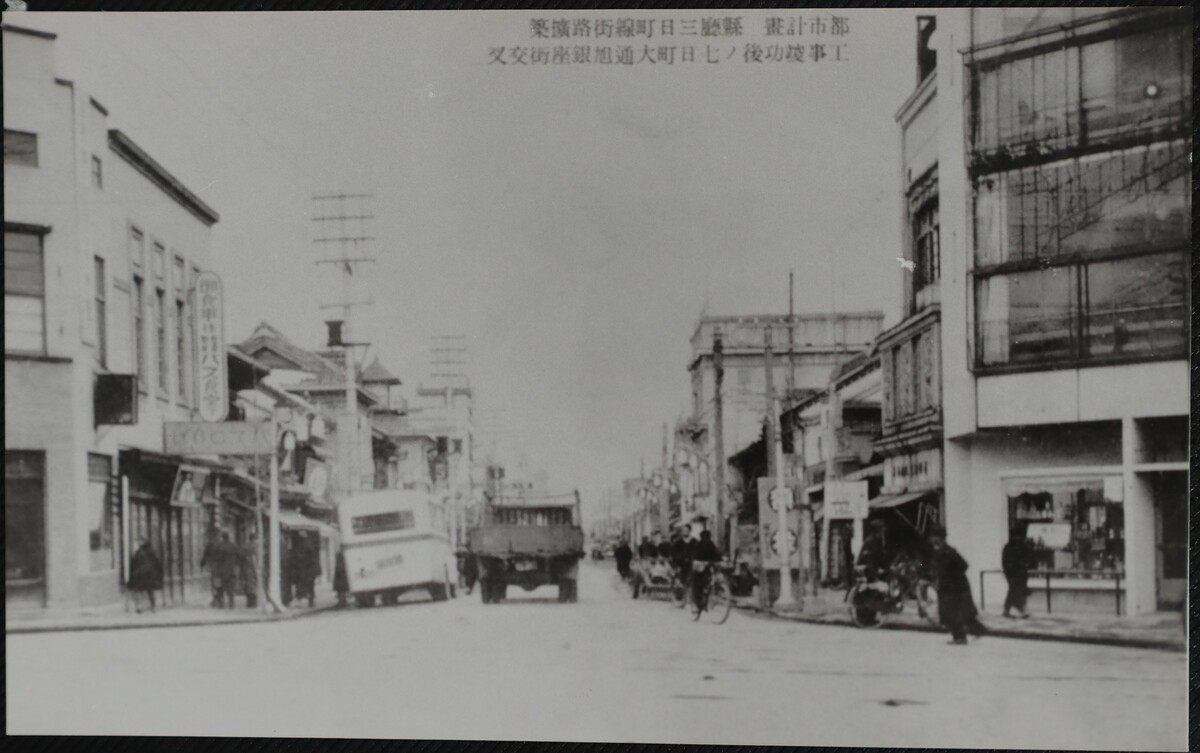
pixel 222 560
pixel 623 554
pixel 1014 559
pixel 956 607
pixel 145 574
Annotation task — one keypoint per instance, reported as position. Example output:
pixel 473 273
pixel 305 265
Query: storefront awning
pixel 895 500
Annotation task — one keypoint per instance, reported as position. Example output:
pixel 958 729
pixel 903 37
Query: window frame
pixel 12 159
pixel 100 301
pixel 97 172
pixel 160 342
pixel 40 234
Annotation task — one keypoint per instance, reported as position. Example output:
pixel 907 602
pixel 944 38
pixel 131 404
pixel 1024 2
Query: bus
pixel 395 541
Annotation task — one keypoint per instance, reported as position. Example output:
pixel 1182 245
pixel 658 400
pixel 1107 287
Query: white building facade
pixel 1065 297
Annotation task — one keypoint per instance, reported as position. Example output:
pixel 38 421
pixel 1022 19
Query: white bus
pixel 395 541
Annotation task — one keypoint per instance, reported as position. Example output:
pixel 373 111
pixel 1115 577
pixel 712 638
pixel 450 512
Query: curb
pixel 1096 640
pixel 88 627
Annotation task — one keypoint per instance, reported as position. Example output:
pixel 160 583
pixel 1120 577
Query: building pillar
pixel 1140 547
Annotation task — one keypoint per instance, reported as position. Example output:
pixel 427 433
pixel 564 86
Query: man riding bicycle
pixel 706 551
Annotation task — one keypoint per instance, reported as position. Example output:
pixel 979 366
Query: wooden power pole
pixel 719 442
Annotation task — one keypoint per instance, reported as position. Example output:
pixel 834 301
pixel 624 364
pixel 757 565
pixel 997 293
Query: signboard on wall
pixel 212 380
pixel 845 500
pixel 190 483
pixel 225 438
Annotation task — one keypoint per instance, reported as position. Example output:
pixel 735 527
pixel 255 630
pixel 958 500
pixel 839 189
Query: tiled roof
pixel 267 338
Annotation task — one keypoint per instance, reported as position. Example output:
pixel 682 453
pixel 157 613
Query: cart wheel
pixel 865 606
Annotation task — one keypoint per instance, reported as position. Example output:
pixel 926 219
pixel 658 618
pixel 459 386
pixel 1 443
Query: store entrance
pixel 1171 537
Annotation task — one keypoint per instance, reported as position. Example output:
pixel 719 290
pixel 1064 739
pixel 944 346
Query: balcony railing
pixel 1132 333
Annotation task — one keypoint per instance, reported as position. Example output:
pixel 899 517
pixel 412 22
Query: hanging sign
pixel 211 365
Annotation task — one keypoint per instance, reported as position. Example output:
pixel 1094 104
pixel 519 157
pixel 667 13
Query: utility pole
pixel 343 240
pixel 719 445
pixel 764 588
pixel 791 322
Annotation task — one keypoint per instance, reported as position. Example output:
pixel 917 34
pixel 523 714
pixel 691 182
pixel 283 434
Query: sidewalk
pixel 121 616
pixel 1160 630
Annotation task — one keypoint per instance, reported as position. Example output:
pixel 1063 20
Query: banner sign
pixel 211 365
pixel 225 438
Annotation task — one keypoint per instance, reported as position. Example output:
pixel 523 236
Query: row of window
pixel 1133 308
pixel 159 298
pixel 1075 96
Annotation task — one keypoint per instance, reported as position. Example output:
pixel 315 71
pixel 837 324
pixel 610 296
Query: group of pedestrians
pixel 233 570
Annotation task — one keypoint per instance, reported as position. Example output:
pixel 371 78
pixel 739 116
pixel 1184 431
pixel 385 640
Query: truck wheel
pixel 364 600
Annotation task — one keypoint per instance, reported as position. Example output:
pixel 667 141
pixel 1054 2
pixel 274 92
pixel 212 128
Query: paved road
pixel 607 668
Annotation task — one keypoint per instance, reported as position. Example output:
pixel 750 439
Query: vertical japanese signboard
pixel 212 381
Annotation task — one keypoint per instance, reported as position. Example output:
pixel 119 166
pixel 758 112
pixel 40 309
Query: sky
pixel 571 221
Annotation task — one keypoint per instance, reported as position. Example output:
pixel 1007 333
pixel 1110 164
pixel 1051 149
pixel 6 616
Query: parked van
pixel 395 541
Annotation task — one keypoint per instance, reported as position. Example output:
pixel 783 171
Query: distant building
pixel 102 245
pixel 1065 295
pixel 805 352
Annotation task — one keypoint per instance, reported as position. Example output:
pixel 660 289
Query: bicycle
pixel 870 600
pixel 716 598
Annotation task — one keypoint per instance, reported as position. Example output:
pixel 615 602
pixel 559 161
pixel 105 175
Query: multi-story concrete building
pixel 806 349
pixel 102 246
pixel 1064 295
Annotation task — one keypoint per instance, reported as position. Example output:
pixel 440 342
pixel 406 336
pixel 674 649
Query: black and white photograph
pixel 793 376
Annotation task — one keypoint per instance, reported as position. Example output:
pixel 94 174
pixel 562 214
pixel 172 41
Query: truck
pixel 527 546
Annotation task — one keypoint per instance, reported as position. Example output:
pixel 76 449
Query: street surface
pixel 608 668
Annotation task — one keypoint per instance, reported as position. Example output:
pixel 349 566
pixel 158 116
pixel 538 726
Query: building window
pixel 181 358
pixel 24 292
pixel 139 333
pixel 1133 308
pixel 101 314
pixel 24 517
pixel 1082 96
pixel 97 172
pixel 1072 524
pixel 160 261
pixel 926 246
pixel 20 148
pixel 101 542
pixel 160 323
pixel 1115 202
pixel 137 248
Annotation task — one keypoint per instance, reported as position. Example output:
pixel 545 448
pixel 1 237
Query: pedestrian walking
pixel 1014 560
pixel 623 555
pixel 956 607
pixel 341 579
pixel 248 556
pixel 221 558
pixel 469 568
pixel 307 567
pixel 145 574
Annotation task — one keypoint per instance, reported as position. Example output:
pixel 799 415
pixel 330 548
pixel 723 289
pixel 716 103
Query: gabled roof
pixel 271 346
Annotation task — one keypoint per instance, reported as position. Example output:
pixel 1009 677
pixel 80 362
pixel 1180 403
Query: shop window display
pixel 1073 525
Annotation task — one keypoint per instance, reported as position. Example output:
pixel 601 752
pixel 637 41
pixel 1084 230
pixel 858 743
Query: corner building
pixel 1065 298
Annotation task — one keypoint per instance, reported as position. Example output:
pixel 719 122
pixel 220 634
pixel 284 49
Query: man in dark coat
pixel 307 566
pixel 469 568
pixel 248 560
pixel 222 558
pixel 1014 559
pixel 145 574
pixel 956 607
pixel 623 554
pixel 705 551
pixel 341 579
